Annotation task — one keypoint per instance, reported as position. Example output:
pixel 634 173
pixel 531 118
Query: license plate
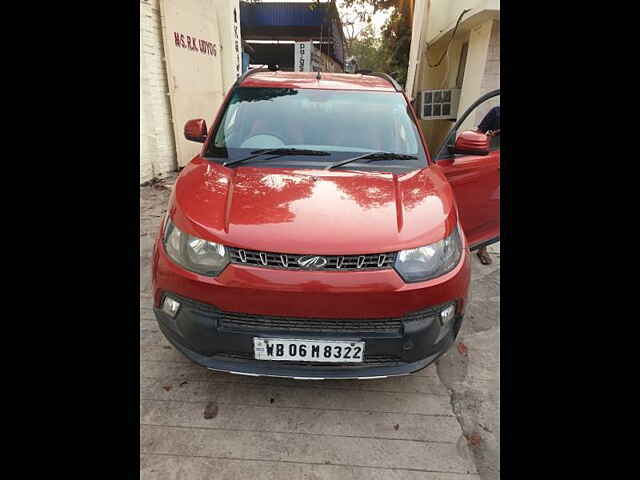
pixel 308 350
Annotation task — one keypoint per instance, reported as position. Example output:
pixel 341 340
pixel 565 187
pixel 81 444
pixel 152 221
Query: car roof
pixel 328 81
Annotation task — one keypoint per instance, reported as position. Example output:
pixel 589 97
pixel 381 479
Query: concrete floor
pixel 441 423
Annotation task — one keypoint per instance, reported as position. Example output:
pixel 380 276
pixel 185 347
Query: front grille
pixel 369 360
pixel 245 321
pixel 289 261
pixel 276 324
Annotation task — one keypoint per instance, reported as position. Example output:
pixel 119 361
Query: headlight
pixel 194 254
pixel 430 261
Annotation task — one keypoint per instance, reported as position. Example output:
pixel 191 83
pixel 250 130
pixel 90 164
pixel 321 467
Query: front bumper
pixel 223 341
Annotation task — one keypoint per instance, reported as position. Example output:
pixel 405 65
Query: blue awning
pixel 281 14
pixel 294 21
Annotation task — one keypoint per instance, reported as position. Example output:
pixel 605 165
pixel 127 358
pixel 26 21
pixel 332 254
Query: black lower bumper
pixel 223 341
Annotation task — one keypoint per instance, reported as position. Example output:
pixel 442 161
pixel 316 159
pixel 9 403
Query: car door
pixel 475 178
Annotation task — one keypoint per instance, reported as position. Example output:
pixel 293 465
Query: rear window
pixel 336 121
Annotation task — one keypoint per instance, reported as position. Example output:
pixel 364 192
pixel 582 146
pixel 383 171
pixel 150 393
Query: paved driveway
pixel 440 423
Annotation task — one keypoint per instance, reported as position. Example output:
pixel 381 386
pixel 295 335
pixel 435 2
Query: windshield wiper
pixel 278 152
pixel 372 157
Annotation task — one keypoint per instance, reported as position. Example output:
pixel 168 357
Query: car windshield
pixel 342 123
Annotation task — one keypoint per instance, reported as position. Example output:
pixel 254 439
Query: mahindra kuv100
pixel 314 236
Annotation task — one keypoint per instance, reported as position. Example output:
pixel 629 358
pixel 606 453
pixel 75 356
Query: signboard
pixel 307 57
pixel 302 61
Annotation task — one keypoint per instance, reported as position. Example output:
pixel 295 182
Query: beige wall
pixel 433 26
pixel 444 14
pixel 157 140
pixel 443 76
pixel 481 75
pixel 491 77
pixel 157 144
pixel 480 72
pixel 421 10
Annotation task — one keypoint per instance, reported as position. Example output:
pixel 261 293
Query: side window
pixel 227 128
pixel 403 140
pixel 232 119
pixel 484 118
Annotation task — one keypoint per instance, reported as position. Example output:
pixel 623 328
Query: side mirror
pixel 196 130
pixel 471 143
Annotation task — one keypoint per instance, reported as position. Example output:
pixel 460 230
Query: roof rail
pixel 270 68
pixel 386 76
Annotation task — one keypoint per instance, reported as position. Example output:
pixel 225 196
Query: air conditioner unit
pixel 439 104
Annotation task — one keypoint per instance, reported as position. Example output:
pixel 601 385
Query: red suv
pixel 314 237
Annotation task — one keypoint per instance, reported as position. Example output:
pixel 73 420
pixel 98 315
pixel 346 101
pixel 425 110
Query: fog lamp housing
pixel 447 314
pixel 170 306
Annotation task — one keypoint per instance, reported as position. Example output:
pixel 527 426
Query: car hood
pixel 312 211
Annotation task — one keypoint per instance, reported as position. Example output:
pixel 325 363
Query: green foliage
pixel 392 54
pixel 376 4
pixel 396 35
pixel 367 48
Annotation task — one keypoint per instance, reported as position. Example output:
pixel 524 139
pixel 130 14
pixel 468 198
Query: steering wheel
pixel 264 140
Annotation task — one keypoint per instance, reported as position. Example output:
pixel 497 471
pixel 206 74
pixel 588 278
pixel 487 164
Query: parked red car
pixel 314 237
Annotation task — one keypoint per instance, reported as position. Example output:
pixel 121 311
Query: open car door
pixel 471 163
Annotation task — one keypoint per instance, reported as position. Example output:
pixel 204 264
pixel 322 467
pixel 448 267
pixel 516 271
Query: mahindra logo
pixel 310 262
